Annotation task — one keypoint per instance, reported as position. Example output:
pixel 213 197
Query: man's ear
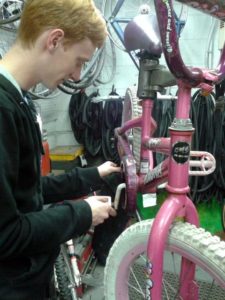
pixel 54 39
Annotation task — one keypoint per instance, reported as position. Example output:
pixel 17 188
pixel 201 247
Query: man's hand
pixel 107 168
pixel 100 208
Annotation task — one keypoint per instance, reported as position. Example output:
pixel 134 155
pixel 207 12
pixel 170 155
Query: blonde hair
pixel 79 19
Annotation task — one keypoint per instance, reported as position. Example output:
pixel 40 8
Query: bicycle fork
pixel 176 205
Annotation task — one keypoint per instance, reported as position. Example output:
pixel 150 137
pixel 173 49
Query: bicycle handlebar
pixel 215 8
pixel 170 46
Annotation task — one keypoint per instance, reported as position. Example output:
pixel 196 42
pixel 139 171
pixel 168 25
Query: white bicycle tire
pixel 198 245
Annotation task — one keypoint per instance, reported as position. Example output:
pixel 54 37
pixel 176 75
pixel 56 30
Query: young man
pixel 55 38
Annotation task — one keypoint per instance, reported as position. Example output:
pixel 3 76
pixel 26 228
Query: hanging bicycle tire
pixel 109 147
pixel 105 152
pixel 125 267
pixel 64 277
pixel 92 116
pixel 89 74
pixel 39 91
pixel 76 106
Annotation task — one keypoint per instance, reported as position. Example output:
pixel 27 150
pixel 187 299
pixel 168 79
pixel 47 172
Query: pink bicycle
pixel 169 257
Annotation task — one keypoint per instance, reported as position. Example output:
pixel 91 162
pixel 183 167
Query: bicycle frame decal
pixel 144 166
pixel 181 152
pixel 149 283
pixel 168 46
pixel 154 142
pixel 153 174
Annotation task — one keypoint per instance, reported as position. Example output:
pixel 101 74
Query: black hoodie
pixel 30 235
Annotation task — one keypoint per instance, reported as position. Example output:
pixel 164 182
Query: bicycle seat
pixel 142 33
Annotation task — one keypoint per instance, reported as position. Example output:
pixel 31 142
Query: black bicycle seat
pixel 142 33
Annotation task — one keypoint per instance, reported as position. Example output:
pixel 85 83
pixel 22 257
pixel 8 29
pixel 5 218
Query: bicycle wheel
pixel 39 91
pixel 125 275
pixel 89 75
pixel 64 276
pixel 10 11
pixel 108 71
pixel 6 41
pixel 128 10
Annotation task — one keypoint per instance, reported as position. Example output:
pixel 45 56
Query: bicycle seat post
pixel 153 78
pixel 145 88
pixel 147 93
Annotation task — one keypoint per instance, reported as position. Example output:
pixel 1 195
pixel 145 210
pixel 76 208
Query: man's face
pixel 66 63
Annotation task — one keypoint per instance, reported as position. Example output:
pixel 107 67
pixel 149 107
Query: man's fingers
pixel 101 208
pixel 112 212
pixel 105 199
pixel 117 169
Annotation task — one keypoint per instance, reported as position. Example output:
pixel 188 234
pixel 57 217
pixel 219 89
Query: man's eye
pixel 79 64
pixel 84 65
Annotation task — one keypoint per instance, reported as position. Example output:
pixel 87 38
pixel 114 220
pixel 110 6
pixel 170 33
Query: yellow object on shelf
pixel 66 153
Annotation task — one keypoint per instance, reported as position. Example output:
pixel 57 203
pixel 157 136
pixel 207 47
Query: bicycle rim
pixel 6 41
pixel 125 268
pixel 10 11
pixel 89 75
pixel 109 65
pixel 128 10
pixel 39 91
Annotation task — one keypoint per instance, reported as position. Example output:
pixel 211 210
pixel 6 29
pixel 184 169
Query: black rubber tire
pixel 62 278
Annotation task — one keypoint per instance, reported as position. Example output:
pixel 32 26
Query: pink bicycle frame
pixel 176 168
pixel 177 203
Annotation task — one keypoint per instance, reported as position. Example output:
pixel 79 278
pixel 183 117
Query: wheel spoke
pixel 137 282
pixel 127 280
pixel 135 289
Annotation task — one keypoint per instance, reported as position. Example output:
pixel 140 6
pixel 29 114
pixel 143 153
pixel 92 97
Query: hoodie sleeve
pixel 25 228
pixel 76 183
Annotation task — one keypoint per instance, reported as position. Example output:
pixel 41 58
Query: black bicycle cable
pixel 219 121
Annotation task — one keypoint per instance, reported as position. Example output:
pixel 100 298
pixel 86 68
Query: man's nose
pixel 75 76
